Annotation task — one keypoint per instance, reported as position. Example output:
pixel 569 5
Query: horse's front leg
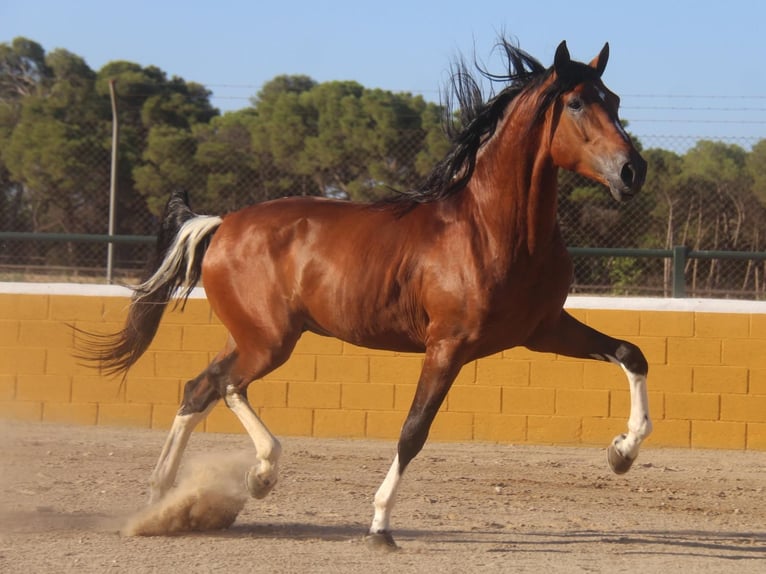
pixel 440 367
pixel 572 338
pixel 624 448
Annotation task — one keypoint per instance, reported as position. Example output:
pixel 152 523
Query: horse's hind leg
pixel 200 396
pixel 261 477
pixel 574 339
pixel 256 354
pixel 227 377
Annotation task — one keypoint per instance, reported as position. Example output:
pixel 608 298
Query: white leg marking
pixel 262 477
pixel 639 423
pixel 165 470
pixel 385 498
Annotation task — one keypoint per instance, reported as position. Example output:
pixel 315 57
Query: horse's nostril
pixel 627 175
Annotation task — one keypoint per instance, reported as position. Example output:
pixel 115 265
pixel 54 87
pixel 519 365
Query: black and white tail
pixel 181 244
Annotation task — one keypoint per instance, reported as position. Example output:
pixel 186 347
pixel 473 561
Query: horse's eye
pixel 575 104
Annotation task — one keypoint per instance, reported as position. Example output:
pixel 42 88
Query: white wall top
pixel 573 302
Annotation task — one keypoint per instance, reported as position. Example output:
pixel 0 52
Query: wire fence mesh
pixel 708 197
pixel 340 139
pixel 348 142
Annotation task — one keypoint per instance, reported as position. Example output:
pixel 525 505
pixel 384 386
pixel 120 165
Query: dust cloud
pixel 209 495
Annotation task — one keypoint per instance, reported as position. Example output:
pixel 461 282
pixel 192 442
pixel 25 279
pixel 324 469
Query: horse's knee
pixel 631 357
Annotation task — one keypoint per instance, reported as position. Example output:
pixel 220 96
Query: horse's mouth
pixel 622 192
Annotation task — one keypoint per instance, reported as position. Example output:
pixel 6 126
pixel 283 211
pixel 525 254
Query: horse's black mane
pixel 470 119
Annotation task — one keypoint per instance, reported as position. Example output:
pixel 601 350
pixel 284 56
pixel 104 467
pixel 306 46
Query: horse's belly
pixel 399 340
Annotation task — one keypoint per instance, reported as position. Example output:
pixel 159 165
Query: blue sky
pixel 683 68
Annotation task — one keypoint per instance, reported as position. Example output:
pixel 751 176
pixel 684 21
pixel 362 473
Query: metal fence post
pixel 679 264
pixel 112 182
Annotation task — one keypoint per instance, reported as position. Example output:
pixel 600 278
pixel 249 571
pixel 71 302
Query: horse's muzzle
pixel 628 181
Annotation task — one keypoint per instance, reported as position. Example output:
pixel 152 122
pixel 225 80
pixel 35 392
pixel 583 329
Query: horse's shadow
pixel 294 531
pixel 728 545
pixel 703 543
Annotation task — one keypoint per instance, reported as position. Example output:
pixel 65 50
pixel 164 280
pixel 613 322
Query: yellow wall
pixel 707 379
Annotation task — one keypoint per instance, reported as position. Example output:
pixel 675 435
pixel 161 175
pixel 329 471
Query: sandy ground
pixel 65 493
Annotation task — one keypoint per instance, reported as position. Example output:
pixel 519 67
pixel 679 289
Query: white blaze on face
pixel 621 129
pixel 617 124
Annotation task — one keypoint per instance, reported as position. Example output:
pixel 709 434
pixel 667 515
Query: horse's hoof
pixel 618 462
pixel 380 541
pixel 259 485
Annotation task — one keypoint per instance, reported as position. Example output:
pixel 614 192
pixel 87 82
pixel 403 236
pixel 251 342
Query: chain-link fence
pixel 339 139
pixel 704 195
pixel 708 196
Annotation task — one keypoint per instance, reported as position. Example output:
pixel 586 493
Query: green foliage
pixel 55 138
pixel 624 274
pixel 168 164
pixel 52 144
pixel 715 162
pixel 756 168
pixel 23 70
pixel 340 139
pixel 301 137
pixel 225 159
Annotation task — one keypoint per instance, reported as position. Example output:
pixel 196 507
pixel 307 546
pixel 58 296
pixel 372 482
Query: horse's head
pixel 587 136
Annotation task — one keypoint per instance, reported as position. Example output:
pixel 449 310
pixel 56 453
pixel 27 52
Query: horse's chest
pixel 528 296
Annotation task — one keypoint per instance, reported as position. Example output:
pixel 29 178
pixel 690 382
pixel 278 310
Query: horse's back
pixel 338 268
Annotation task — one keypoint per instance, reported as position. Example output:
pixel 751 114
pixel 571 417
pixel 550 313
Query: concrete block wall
pixel 707 379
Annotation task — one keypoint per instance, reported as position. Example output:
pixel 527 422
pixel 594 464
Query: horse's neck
pixel 514 189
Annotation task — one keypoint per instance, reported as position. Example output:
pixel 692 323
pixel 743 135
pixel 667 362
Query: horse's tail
pixel 181 244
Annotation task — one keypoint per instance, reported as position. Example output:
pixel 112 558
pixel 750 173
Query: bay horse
pixel 469 264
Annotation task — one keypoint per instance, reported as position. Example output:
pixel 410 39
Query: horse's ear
pixel 561 60
pixel 599 62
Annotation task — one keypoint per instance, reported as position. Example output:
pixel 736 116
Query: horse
pixel 468 264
